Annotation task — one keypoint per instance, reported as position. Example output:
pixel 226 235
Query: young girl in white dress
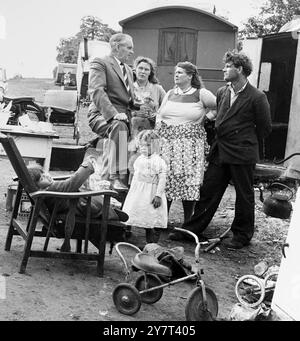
pixel 146 203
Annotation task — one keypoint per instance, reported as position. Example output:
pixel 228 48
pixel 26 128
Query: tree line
pixel 91 28
pixel 272 16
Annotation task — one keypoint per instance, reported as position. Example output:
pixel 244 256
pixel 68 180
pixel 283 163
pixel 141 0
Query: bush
pixel 17 76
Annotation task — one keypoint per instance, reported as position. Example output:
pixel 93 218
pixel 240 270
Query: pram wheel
pixel 148 281
pixel 195 309
pixel 250 290
pixel 126 299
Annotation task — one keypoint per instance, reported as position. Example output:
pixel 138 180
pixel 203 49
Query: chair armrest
pixel 72 195
pixel 58 177
pixel 61 177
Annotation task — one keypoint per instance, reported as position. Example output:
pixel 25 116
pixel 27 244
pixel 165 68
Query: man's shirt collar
pixel 241 89
pixel 118 61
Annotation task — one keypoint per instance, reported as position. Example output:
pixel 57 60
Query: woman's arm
pixel 161 94
pixel 158 116
pixel 208 99
pixel 162 178
pixel 210 103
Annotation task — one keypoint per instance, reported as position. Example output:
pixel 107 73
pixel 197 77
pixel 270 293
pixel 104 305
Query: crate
pixel 25 206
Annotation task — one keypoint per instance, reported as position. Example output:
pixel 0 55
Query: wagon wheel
pixel 250 291
pixel 126 299
pixel 35 112
pixel 195 309
pixel 148 281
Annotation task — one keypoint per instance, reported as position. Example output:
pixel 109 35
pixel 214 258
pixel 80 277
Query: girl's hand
pixel 156 202
pixel 92 160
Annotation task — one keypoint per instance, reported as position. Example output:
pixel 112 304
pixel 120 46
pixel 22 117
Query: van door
pixel 286 298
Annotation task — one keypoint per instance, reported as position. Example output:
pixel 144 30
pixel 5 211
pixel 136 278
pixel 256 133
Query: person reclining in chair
pixel 74 183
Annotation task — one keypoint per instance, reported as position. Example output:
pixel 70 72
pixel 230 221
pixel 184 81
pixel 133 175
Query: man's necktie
pixel 125 77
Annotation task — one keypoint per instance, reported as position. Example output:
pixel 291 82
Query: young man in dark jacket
pixel 243 119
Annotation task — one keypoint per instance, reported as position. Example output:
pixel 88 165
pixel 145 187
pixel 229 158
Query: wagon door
pixel 175 45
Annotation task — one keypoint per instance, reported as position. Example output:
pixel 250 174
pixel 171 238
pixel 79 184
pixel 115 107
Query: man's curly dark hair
pixel 239 59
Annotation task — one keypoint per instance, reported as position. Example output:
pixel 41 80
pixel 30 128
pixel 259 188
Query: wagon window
pixel 177 45
pixel 168 44
pixel 187 47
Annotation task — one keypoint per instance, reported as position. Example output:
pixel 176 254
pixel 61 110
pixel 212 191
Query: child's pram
pixel 63 108
pixel 160 272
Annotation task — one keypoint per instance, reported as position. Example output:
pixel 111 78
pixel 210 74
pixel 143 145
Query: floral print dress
pixel 183 142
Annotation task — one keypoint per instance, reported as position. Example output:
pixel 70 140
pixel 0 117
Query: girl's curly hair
pixel 149 136
pixel 35 171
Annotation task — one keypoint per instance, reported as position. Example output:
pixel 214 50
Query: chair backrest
pixel 18 163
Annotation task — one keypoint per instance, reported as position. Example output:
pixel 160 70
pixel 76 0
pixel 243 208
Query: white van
pixel 88 50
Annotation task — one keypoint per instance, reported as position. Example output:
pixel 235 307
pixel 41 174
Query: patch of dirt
pixel 64 290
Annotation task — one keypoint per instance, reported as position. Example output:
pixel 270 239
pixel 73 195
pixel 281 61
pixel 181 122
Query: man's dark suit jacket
pixel 240 127
pixel 107 88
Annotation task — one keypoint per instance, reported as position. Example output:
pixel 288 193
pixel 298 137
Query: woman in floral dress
pixel 180 125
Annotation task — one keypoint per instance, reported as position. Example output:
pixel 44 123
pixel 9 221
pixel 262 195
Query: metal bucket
pixel 10 196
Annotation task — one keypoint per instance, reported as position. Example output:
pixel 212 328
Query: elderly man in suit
pixel 111 90
pixel 243 119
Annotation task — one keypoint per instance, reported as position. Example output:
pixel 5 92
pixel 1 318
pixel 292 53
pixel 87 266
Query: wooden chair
pixel 68 226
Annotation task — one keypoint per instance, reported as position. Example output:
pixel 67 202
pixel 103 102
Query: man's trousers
pixel 216 180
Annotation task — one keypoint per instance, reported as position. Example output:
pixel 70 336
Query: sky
pixel 30 30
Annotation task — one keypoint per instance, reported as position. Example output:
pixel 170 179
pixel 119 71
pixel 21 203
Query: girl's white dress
pixel 149 180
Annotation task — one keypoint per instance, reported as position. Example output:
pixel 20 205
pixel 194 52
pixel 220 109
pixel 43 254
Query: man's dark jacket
pixel 240 127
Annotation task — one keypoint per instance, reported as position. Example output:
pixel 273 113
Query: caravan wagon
pixel 276 59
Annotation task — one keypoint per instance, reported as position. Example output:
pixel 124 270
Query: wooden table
pixel 32 145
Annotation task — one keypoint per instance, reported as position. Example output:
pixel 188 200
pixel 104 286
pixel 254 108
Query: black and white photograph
pixel 149 163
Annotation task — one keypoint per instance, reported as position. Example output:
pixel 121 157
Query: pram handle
pixel 198 244
pixel 121 256
pixel 287 158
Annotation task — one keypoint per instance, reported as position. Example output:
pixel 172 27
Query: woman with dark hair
pixel 148 96
pixel 180 125
pixel 147 92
